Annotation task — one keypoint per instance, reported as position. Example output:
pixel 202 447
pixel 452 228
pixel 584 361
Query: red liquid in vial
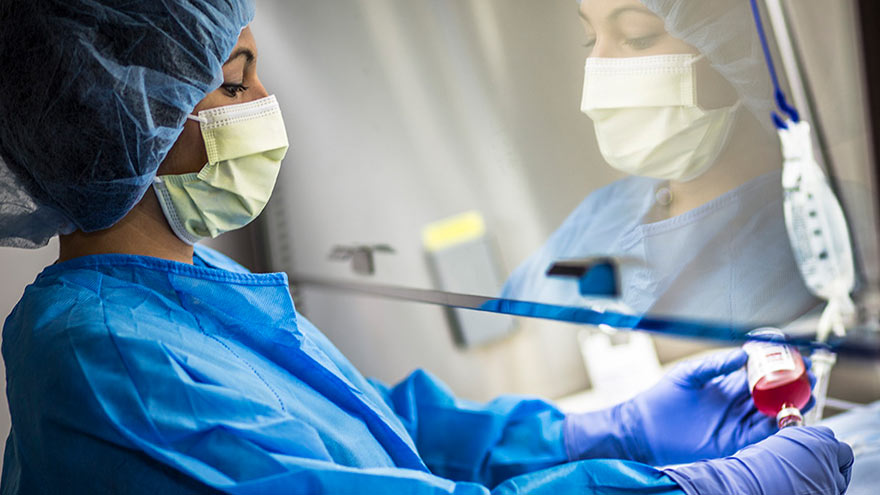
pixel 777 377
pixel 781 389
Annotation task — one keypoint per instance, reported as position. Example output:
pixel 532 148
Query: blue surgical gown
pixel 727 261
pixel 130 374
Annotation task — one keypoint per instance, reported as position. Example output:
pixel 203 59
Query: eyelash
pixel 234 89
pixel 637 43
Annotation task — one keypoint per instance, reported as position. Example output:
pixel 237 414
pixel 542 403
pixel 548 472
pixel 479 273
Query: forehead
pixel 610 10
pixel 245 50
pixel 246 39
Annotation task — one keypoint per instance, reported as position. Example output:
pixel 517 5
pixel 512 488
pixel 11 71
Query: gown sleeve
pixel 486 443
pixel 515 441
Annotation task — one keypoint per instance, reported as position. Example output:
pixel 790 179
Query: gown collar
pixel 205 271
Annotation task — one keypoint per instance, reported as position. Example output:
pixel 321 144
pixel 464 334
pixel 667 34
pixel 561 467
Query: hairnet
pixel 723 31
pixel 93 94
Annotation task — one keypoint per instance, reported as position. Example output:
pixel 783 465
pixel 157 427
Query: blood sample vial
pixel 778 378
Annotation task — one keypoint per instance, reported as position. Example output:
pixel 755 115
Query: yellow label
pixel 453 230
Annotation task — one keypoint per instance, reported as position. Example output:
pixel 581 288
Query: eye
pixel 234 89
pixel 642 43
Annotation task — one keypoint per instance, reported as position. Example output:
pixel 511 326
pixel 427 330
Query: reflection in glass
pixel 679 99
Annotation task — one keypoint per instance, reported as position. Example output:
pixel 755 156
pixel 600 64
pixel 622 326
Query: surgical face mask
pixel 245 145
pixel 646 117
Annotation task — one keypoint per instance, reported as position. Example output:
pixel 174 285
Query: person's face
pixel 626 28
pixel 241 84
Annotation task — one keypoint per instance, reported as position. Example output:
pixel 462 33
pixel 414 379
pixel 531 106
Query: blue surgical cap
pixel 93 94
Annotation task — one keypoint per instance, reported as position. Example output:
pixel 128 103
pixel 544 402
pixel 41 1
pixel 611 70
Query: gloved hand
pixel 795 461
pixel 702 409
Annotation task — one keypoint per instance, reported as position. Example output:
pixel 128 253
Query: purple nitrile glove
pixel 702 409
pixel 795 461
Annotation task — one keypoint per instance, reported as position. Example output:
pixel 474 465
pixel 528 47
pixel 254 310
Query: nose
pixel 259 91
pixel 604 49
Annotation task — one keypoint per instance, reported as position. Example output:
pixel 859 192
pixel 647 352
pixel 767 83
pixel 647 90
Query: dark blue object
pixel 597 277
pixel 601 279
pixel 778 94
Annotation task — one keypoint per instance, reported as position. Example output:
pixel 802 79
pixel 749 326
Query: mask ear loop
pixel 198 119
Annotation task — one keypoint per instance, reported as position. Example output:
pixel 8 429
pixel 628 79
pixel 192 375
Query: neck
pixel 142 232
pixel 750 153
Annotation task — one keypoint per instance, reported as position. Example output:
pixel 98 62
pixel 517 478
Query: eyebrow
pixel 619 11
pixel 242 52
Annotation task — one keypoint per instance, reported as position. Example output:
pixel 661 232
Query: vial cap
pixel 789 416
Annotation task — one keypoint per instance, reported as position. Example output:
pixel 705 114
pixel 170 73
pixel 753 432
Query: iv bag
pixel 816 226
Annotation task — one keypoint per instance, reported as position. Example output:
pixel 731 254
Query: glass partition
pixel 611 162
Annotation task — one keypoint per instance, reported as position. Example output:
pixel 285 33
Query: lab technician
pixel 143 363
pixel 680 99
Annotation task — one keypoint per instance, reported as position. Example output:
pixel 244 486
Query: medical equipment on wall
pixel 778 378
pixel 815 222
pixel 362 256
pixel 462 258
